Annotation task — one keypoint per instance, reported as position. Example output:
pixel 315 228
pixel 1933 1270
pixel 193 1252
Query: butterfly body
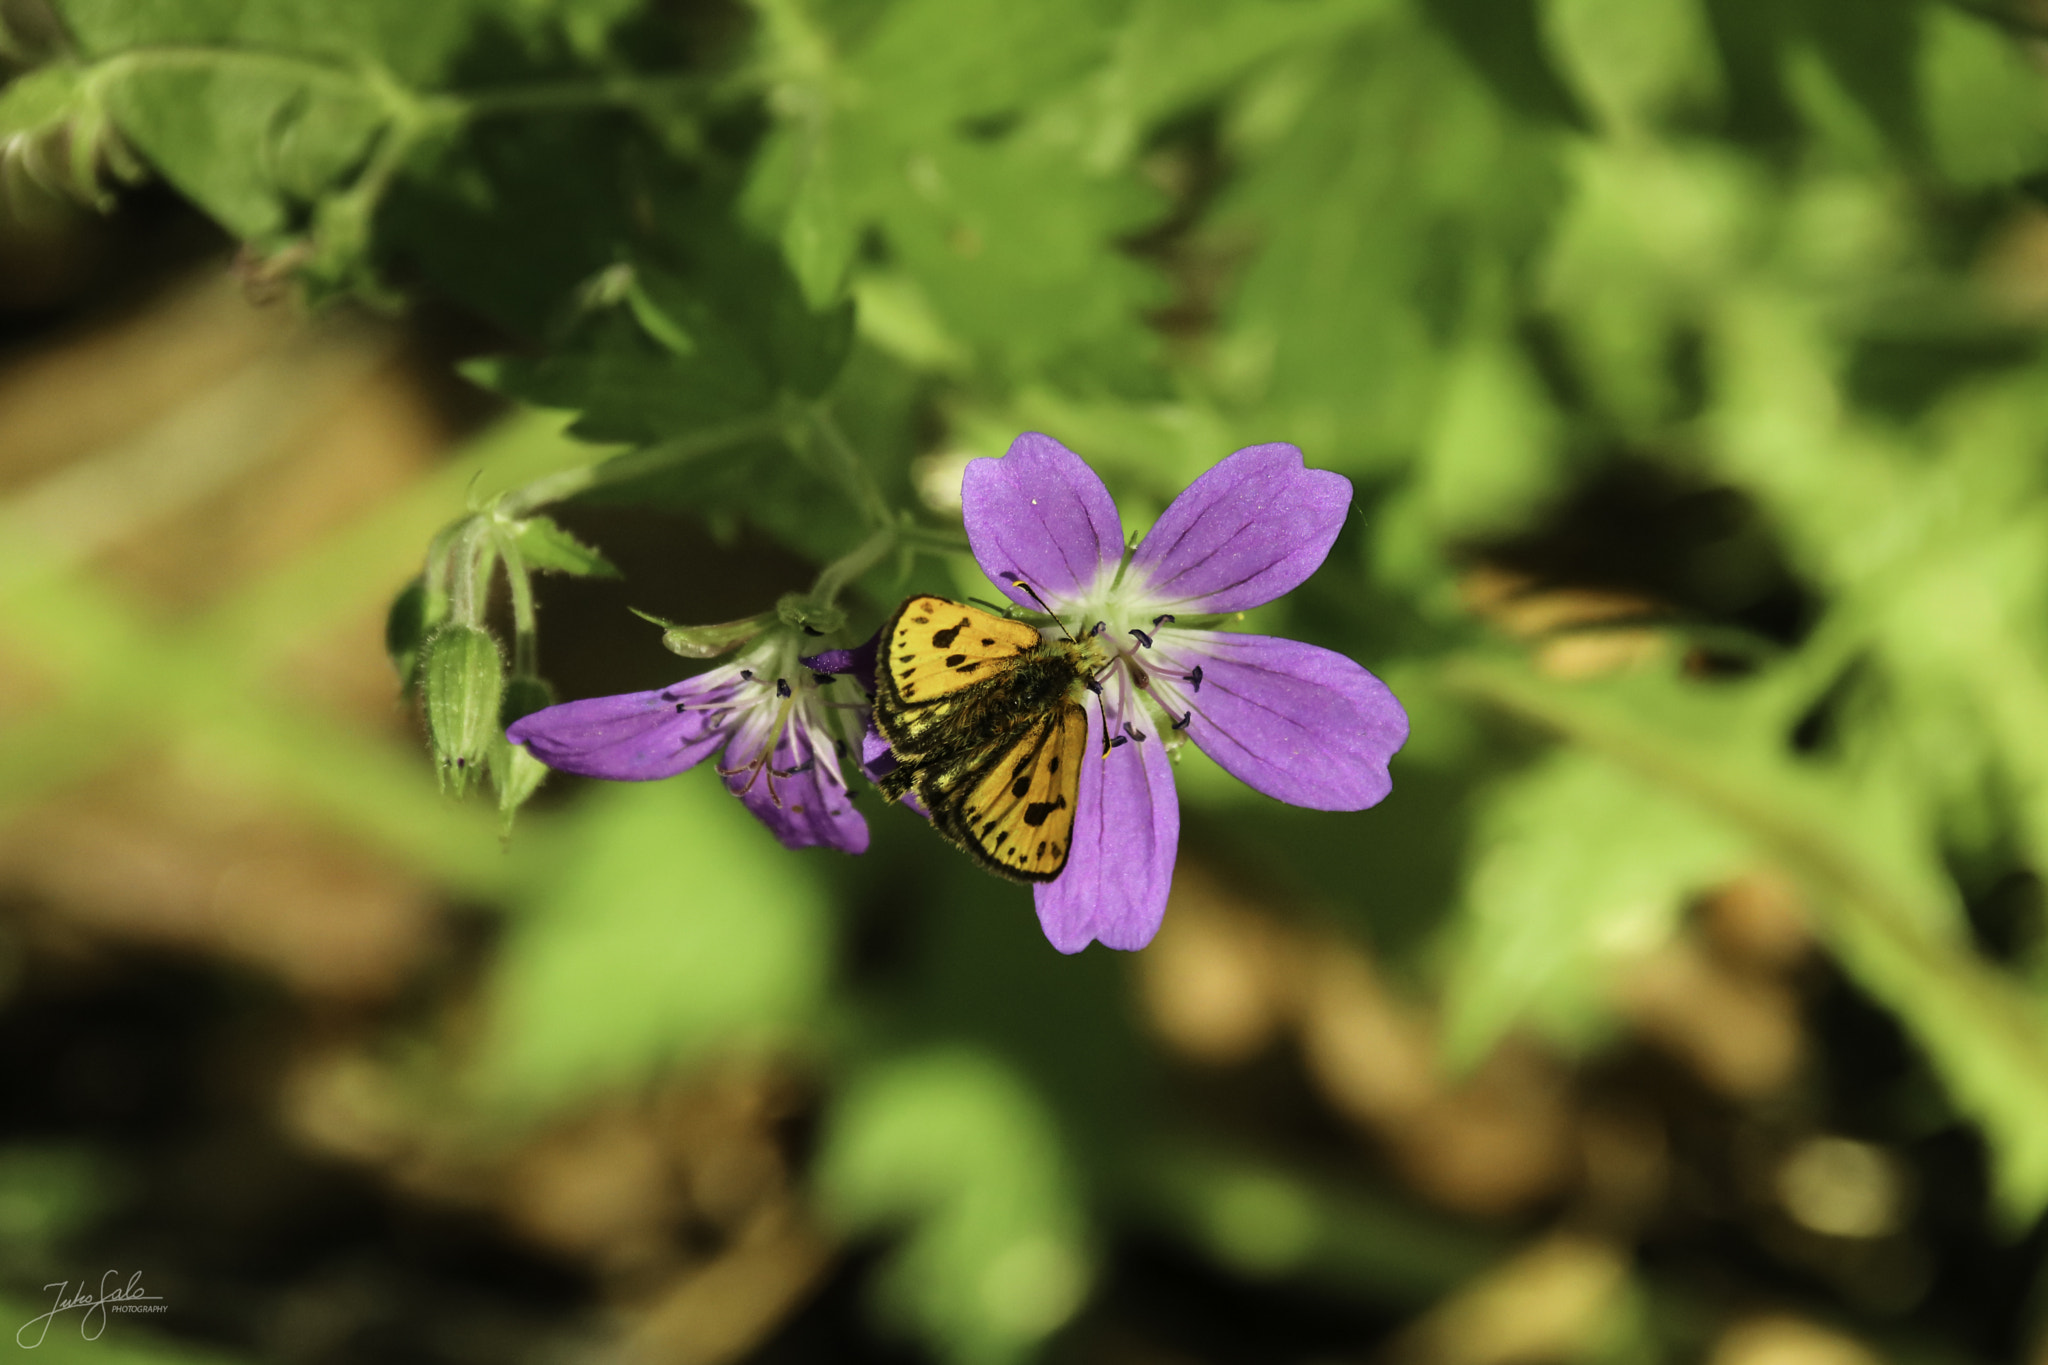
pixel 984 716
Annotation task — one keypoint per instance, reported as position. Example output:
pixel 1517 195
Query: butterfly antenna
pixel 1020 583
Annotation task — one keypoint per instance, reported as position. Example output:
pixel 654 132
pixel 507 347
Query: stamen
pixel 1092 686
pixel 1114 743
pixel 746 675
pixel 1133 731
pixel 802 767
pixel 1196 677
pixel 1144 640
pixel 824 679
pixel 1100 626
pixel 681 707
pixel 1159 621
pixel 1182 723
pixel 782 687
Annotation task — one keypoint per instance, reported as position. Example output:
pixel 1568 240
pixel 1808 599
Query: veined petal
pixel 1251 528
pixel 796 790
pixel 1126 831
pixel 632 737
pixel 1039 513
pixel 1297 722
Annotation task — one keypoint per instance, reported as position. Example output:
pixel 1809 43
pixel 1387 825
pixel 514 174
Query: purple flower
pixel 779 729
pixel 1291 720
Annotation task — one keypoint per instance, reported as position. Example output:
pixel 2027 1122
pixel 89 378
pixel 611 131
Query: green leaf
pixel 1503 40
pixel 1986 101
pixel 417 44
pixel 677 924
pixel 1859 841
pixel 1636 63
pixel 1579 867
pixel 543 544
pixel 40 99
pixel 1336 326
pixel 955 1145
pixel 247 143
pixel 1008 222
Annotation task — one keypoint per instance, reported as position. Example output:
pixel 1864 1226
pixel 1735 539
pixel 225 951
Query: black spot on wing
pixel 1037 812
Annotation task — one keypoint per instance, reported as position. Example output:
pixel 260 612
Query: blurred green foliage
pixel 1476 257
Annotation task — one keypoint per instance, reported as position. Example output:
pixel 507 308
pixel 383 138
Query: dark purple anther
pixel 1196 677
pixel 1144 640
pixel 1182 723
pixel 1133 731
pixel 782 687
pixel 1159 621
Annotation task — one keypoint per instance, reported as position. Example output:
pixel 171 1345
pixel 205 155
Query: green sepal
pixel 707 642
pixel 801 612
pixel 516 773
pixel 543 544
pixel 465 680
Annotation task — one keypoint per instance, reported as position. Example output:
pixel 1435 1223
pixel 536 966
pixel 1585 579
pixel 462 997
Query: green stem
pixel 874 508
pixel 525 629
pixel 836 575
pixel 636 464
pixel 471 559
pixel 938 540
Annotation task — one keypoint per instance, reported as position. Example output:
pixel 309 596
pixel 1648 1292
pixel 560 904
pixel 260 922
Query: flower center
pixel 1145 687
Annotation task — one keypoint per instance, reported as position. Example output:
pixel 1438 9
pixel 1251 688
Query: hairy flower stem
pixel 525 630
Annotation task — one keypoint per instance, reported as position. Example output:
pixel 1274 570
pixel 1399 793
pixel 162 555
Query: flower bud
pixel 464 680
pixel 706 642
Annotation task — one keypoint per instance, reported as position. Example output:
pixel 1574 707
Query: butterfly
pixel 985 719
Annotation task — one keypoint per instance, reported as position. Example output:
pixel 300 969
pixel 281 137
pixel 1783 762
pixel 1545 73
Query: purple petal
pixel 632 737
pixel 1039 513
pixel 797 793
pixel 857 663
pixel 1126 830
pixel 1300 723
pixel 1252 528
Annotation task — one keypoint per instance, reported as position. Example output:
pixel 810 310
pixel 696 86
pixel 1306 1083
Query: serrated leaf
pixel 543 544
pixel 245 143
pixel 1579 868
pixel 1860 842
pixel 1337 322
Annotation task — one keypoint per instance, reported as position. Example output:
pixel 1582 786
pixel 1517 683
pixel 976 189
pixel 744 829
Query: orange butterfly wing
pixel 937 647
